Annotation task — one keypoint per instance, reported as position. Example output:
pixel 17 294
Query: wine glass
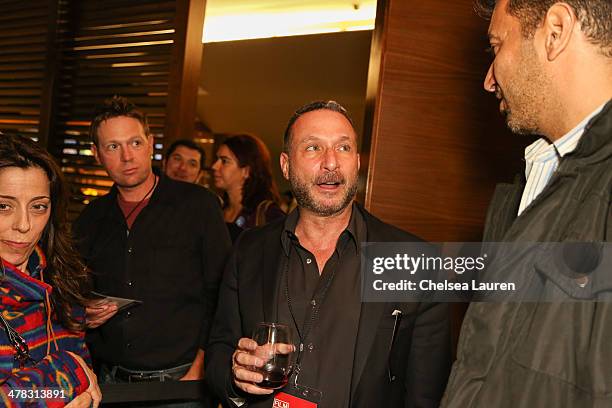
pixel 275 347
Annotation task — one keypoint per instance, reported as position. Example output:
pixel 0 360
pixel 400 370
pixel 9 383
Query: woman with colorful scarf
pixel 43 357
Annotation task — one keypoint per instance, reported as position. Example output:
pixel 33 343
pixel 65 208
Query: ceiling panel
pixel 228 20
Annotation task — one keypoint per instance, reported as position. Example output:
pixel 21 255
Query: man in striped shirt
pixel 552 72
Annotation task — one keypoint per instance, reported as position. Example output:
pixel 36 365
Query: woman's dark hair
pixel 252 152
pixel 65 270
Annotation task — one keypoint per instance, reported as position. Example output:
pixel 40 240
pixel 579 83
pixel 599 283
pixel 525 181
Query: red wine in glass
pixel 275 347
pixel 274 377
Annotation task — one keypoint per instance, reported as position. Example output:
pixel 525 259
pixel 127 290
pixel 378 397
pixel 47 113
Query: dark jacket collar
pixel 371 313
pixel 596 142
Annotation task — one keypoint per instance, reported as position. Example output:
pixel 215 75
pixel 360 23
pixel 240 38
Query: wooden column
pixel 49 84
pixel 438 144
pixel 184 70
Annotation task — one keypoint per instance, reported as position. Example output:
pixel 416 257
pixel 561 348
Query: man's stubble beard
pixel 526 95
pixel 306 200
pixel 137 183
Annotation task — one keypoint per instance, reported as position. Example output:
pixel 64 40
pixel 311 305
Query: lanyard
pixel 312 314
pixel 22 351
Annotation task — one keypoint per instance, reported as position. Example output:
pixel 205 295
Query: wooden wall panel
pixel 25 28
pixel 185 69
pixel 438 144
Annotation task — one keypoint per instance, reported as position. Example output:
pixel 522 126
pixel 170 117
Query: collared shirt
pixel 327 358
pixel 542 160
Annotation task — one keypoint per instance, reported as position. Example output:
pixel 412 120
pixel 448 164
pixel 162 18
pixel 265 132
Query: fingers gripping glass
pixel 275 348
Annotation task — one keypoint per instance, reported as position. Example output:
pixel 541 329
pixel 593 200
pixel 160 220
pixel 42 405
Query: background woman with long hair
pixel 243 173
pixel 43 285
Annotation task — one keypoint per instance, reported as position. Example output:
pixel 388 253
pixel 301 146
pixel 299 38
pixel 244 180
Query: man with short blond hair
pixel 156 240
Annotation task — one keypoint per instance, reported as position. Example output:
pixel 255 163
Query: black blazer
pixel 420 357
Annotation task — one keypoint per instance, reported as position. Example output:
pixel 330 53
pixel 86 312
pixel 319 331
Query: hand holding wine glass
pixel 262 364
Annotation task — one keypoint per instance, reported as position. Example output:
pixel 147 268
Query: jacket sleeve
pixel 216 246
pixel 57 371
pixel 430 357
pixel 225 333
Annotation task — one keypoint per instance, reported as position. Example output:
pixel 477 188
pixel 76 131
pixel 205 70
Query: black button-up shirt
pixel 327 359
pixel 172 260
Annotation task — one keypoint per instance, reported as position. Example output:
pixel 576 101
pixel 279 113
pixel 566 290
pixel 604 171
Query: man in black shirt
pixel 154 239
pixel 304 271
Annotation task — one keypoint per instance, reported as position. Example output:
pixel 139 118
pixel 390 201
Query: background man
pixel 153 239
pixel 184 161
pixel 304 271
pixel 552 72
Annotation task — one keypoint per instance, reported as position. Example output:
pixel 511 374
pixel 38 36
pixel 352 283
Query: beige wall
pixel 256 85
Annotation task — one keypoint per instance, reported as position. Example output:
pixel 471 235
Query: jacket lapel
pixel 371 315
pixel 272 258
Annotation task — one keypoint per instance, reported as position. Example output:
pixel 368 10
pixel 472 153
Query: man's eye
pixel 4 207
pixel 136 143
pixel 312 148
pixel 490 49
pixel 344 148
pixel 112 146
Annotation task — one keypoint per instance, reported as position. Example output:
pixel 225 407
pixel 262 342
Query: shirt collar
pixel 354 228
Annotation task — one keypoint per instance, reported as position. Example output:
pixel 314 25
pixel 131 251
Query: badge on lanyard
pixel 297 396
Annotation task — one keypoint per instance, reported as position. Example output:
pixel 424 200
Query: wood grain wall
pixel 438 143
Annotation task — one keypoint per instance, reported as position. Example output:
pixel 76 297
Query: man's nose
pixel 215 165
pixel 490 84
pixel 330 161
pixel 126 154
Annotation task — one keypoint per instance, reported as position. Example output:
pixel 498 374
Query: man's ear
pixel 96 153
pixel 558 27
pixel 284 164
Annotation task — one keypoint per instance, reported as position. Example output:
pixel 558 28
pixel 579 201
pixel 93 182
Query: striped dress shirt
pixel 542 160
